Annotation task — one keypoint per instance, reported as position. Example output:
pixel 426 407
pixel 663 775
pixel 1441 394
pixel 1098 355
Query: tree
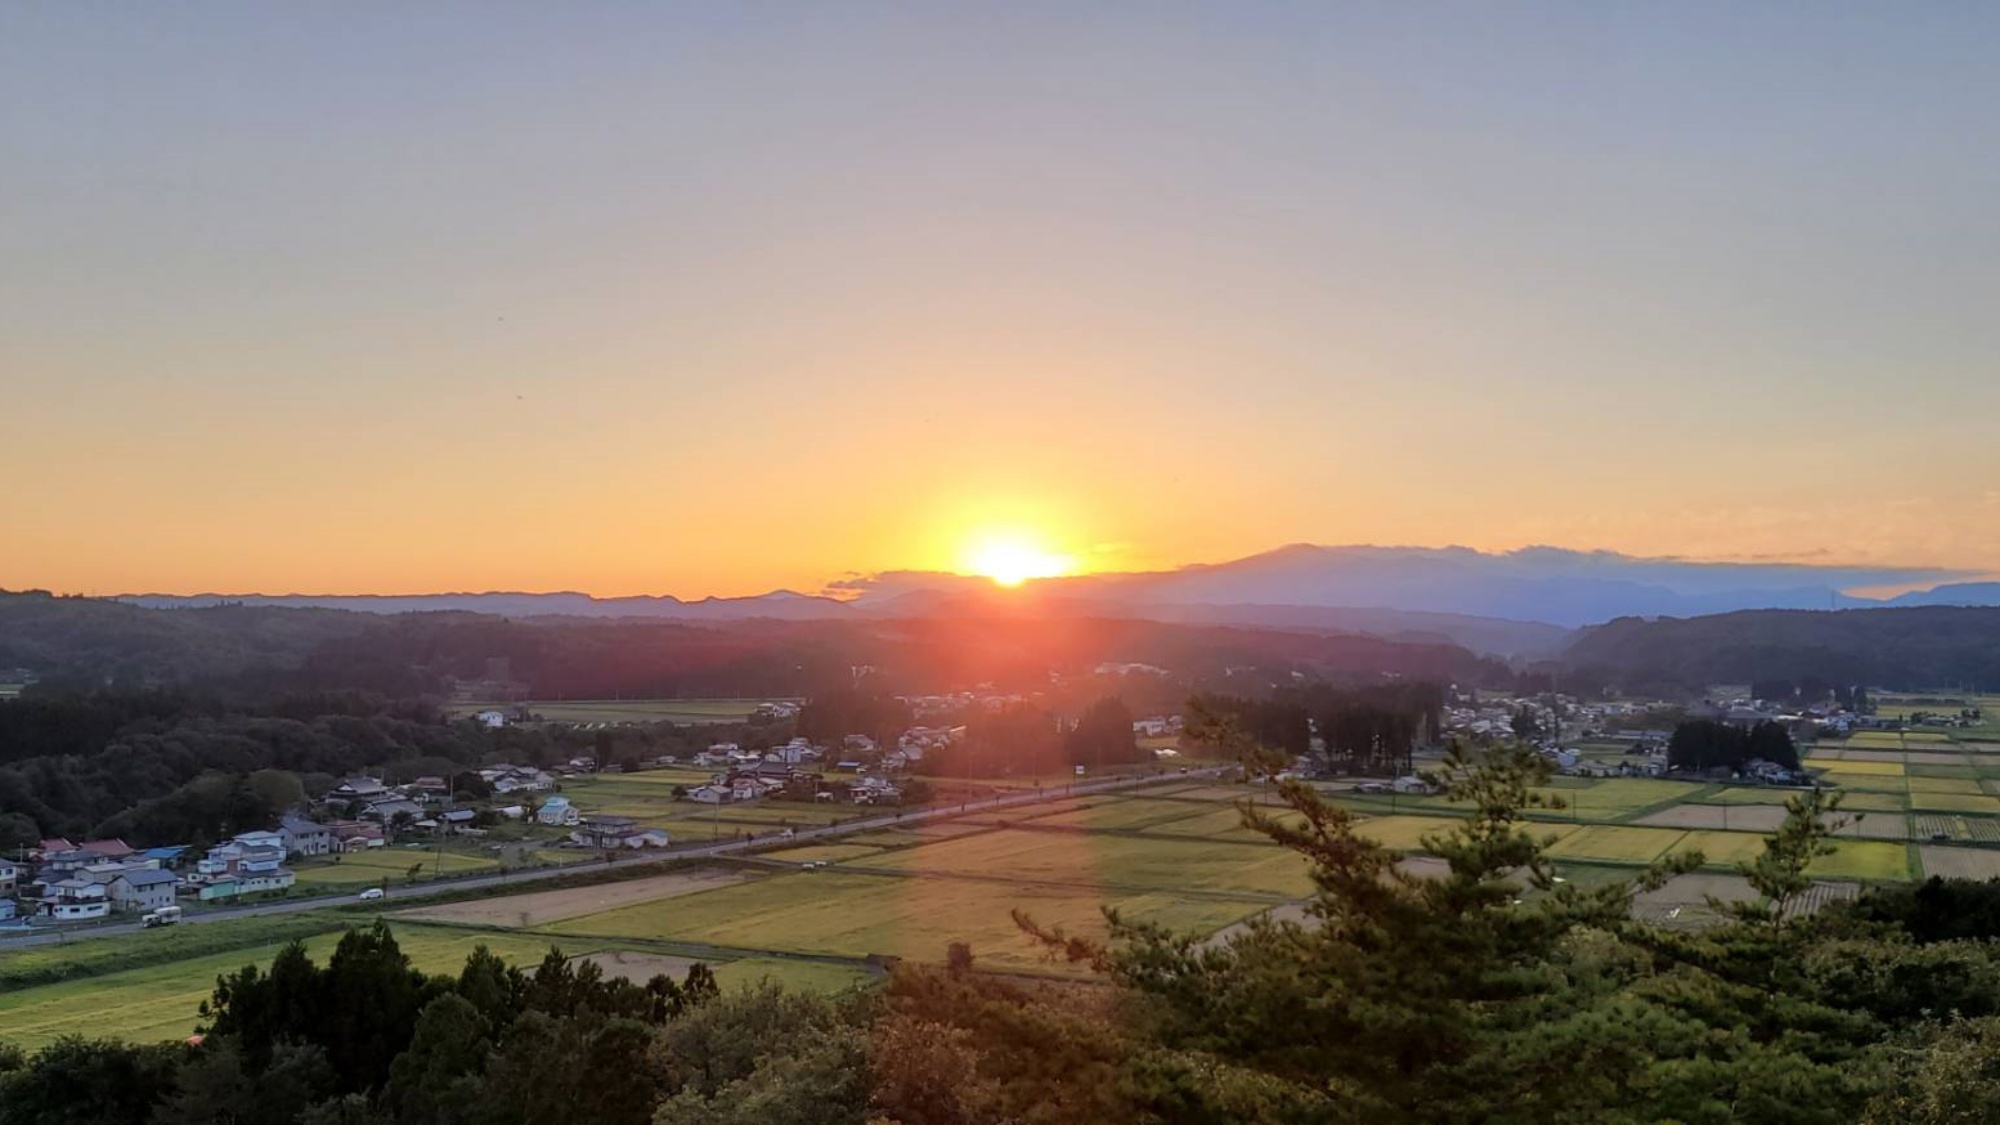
pixel 214 1088
pixel 76 1081
pixel 434 1081
pixel 1104 736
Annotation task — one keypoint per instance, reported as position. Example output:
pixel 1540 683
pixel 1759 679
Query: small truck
pixel 164 916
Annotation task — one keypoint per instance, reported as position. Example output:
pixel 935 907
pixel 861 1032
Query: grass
pixel 49 964
pixel 1872 860
pixel 793 975
pixel 852 915
pixel 161 1001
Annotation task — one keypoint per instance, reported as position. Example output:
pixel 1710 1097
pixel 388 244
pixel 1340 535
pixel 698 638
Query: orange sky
pixel 668 301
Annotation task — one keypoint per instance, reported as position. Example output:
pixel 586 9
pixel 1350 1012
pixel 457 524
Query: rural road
pixel 513 878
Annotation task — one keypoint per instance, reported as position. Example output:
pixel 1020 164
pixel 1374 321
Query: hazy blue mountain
pixel 1513 603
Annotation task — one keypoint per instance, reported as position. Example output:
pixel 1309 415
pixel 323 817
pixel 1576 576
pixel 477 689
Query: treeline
pixel 1362 730
pixel 1898 649
pixel 1023 740
pixel 1487 991
pixel 1704 744
pixel 179 768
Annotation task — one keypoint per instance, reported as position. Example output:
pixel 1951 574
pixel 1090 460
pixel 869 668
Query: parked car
pixel 370 893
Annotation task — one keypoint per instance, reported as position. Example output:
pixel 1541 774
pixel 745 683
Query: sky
pixel 712 299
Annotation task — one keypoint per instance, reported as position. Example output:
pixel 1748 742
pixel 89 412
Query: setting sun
pixel 1013 559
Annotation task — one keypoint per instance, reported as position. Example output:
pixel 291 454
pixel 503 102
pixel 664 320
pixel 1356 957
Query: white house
pixel 491 720
pixel 559 812
pixel 74 900
pixel 710 794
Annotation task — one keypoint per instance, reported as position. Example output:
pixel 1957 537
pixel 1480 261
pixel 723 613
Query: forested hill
pixel 1932 646
pixel 97 639
pixel 253 653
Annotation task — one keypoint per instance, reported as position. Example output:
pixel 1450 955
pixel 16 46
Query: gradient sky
pixel 626 298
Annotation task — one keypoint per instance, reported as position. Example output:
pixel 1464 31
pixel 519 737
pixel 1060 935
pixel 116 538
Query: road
pixel 702 851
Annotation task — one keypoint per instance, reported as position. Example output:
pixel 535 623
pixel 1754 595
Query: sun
pixel 1012 559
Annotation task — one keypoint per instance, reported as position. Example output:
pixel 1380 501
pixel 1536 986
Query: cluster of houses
pixel 68 882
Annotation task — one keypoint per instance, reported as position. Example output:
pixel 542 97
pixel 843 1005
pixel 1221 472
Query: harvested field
pixel 1152 863
pixel 1959 863
pixel 635 966
pixel 1895 756
pixel 1931 826
pixel 1404 833
pixel 1874 826
pixel 1936 758
pixel 1868 769
pixel 542 907
pixel 1729 818
pixel 1722 849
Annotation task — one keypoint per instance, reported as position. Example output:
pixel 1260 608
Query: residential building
pixel 108 849
pixel 10 878
pixel 249 883
pixel 559 812
pixel 359 789
pixel 354 835
pixel 75 900
pixel 167 858
pixel 143 889
pixel 609 832
pixel 305 837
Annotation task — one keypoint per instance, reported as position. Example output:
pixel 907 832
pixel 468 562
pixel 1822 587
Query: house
pixel 109 849
pixel 609 832
pixel 520 779
pixel 236 886
pixel 145 889
pixel 51 846
pixel 359 789
pixel 512 812
pixel 304 837
pixel 10 878
pixel 354 835
pixel 75 900
pixel 491 720
pixel 457 820
pixel 389 809
pixel 557 811
pixel 710 794
pixel 262 840
pixel 167 858
pixel 430 784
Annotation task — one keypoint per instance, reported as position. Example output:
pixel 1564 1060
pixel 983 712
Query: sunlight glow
pixel 1011 559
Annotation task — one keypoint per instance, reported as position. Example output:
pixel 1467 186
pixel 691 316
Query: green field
pixel 1125 862
pixel 160 1001
pixel 370 868
pixel 854 915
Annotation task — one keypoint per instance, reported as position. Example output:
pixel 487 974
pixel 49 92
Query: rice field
pixel 371 867
pixel 855 915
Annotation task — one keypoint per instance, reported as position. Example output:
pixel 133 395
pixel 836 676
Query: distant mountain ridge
pixel 1516 603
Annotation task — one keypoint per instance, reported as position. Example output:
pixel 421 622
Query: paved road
pixel 700 851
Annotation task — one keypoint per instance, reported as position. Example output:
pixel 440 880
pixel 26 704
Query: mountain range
pixel 1516 603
